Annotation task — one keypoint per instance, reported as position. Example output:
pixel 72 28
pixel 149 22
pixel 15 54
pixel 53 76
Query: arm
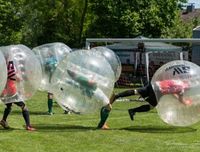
pixel 183 100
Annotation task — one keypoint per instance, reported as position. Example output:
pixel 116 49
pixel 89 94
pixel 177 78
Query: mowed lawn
pixel 78 133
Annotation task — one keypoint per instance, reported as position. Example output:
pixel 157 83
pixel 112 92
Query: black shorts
pixel 148 94
pixel 20 104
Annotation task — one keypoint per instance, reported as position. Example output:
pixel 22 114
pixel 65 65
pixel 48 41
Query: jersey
pixel 10 93
pixel 84 82
pixel 10 89
pixel 172 86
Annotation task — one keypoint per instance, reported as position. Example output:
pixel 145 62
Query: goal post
pixel 193 43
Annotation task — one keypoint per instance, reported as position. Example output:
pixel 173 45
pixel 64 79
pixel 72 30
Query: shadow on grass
pixel 38 113
pixel 61 128
pixel 2 130
pixel 19 112
pixel 159 129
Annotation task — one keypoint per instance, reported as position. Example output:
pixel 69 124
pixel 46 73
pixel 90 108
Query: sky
pixel 196 3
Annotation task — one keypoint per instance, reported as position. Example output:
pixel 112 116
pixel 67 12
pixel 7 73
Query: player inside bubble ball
pixel 10 95
pixel 88 86
pixel 50 64
pixel 174 87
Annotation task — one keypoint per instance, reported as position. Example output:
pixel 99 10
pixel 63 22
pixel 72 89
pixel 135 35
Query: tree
pixel 11 21
pixel 54 20
pixel 125 18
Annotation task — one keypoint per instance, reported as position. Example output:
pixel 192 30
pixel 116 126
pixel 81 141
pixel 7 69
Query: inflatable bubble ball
pixel 83 82
pixel 23 73
pixel 112 58
pixel 50 55
pixel 177 88
pixel 3 72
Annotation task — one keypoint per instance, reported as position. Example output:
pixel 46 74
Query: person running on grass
pixel 175 87
pixel 50 65
pixel 10 96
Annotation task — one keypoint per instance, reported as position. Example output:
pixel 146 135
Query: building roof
pixel 149 46
pixel 188 16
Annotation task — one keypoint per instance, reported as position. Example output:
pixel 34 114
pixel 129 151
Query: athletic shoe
pixel 30 128
pixel 131 114
pixel 50 113
pixel 4 124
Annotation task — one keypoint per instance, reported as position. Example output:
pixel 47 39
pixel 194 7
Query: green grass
pixel 77 133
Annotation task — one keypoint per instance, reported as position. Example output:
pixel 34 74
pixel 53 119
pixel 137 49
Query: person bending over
pixel 174 87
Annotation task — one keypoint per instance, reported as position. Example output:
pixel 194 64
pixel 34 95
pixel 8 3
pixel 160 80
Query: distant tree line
pixel 35 22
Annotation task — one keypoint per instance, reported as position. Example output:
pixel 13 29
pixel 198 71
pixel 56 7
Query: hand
pixel 183 100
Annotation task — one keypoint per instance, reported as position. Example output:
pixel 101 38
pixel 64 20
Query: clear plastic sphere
pixel 23 73
pixel 112 58
pixel 50 55
pixel 3 72
pixel 177 88
pixel 83 82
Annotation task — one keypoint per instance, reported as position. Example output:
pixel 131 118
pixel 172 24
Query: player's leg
pixel 50 103
pixel 25 113
pixel 104 113
pixel 7 111
pixel 125 94
pixel 143 108
pixel 148 94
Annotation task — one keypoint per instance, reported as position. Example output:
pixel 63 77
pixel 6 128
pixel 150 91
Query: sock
pixel 6 113
pixel 143 108
pixel 50 105
pixel 104 113
pixel 25 114
pixel 125 94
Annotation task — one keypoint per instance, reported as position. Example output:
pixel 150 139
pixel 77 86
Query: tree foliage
pixel 53 20
pixel 125 18
pixel 35 22
pixel 11 21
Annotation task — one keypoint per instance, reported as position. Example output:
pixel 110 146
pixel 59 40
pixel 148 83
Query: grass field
pixel 78 133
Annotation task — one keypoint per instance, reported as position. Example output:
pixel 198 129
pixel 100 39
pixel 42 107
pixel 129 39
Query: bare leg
pixel 104 113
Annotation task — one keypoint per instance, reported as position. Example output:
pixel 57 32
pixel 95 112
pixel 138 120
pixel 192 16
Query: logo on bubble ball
pixel 179 69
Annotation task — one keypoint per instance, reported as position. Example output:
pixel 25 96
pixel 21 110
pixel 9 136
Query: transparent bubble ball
pixel 112 58
pixel 177 88
pixel 3 72
pixel 83 82
pixel 50 55
pixel 23 73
